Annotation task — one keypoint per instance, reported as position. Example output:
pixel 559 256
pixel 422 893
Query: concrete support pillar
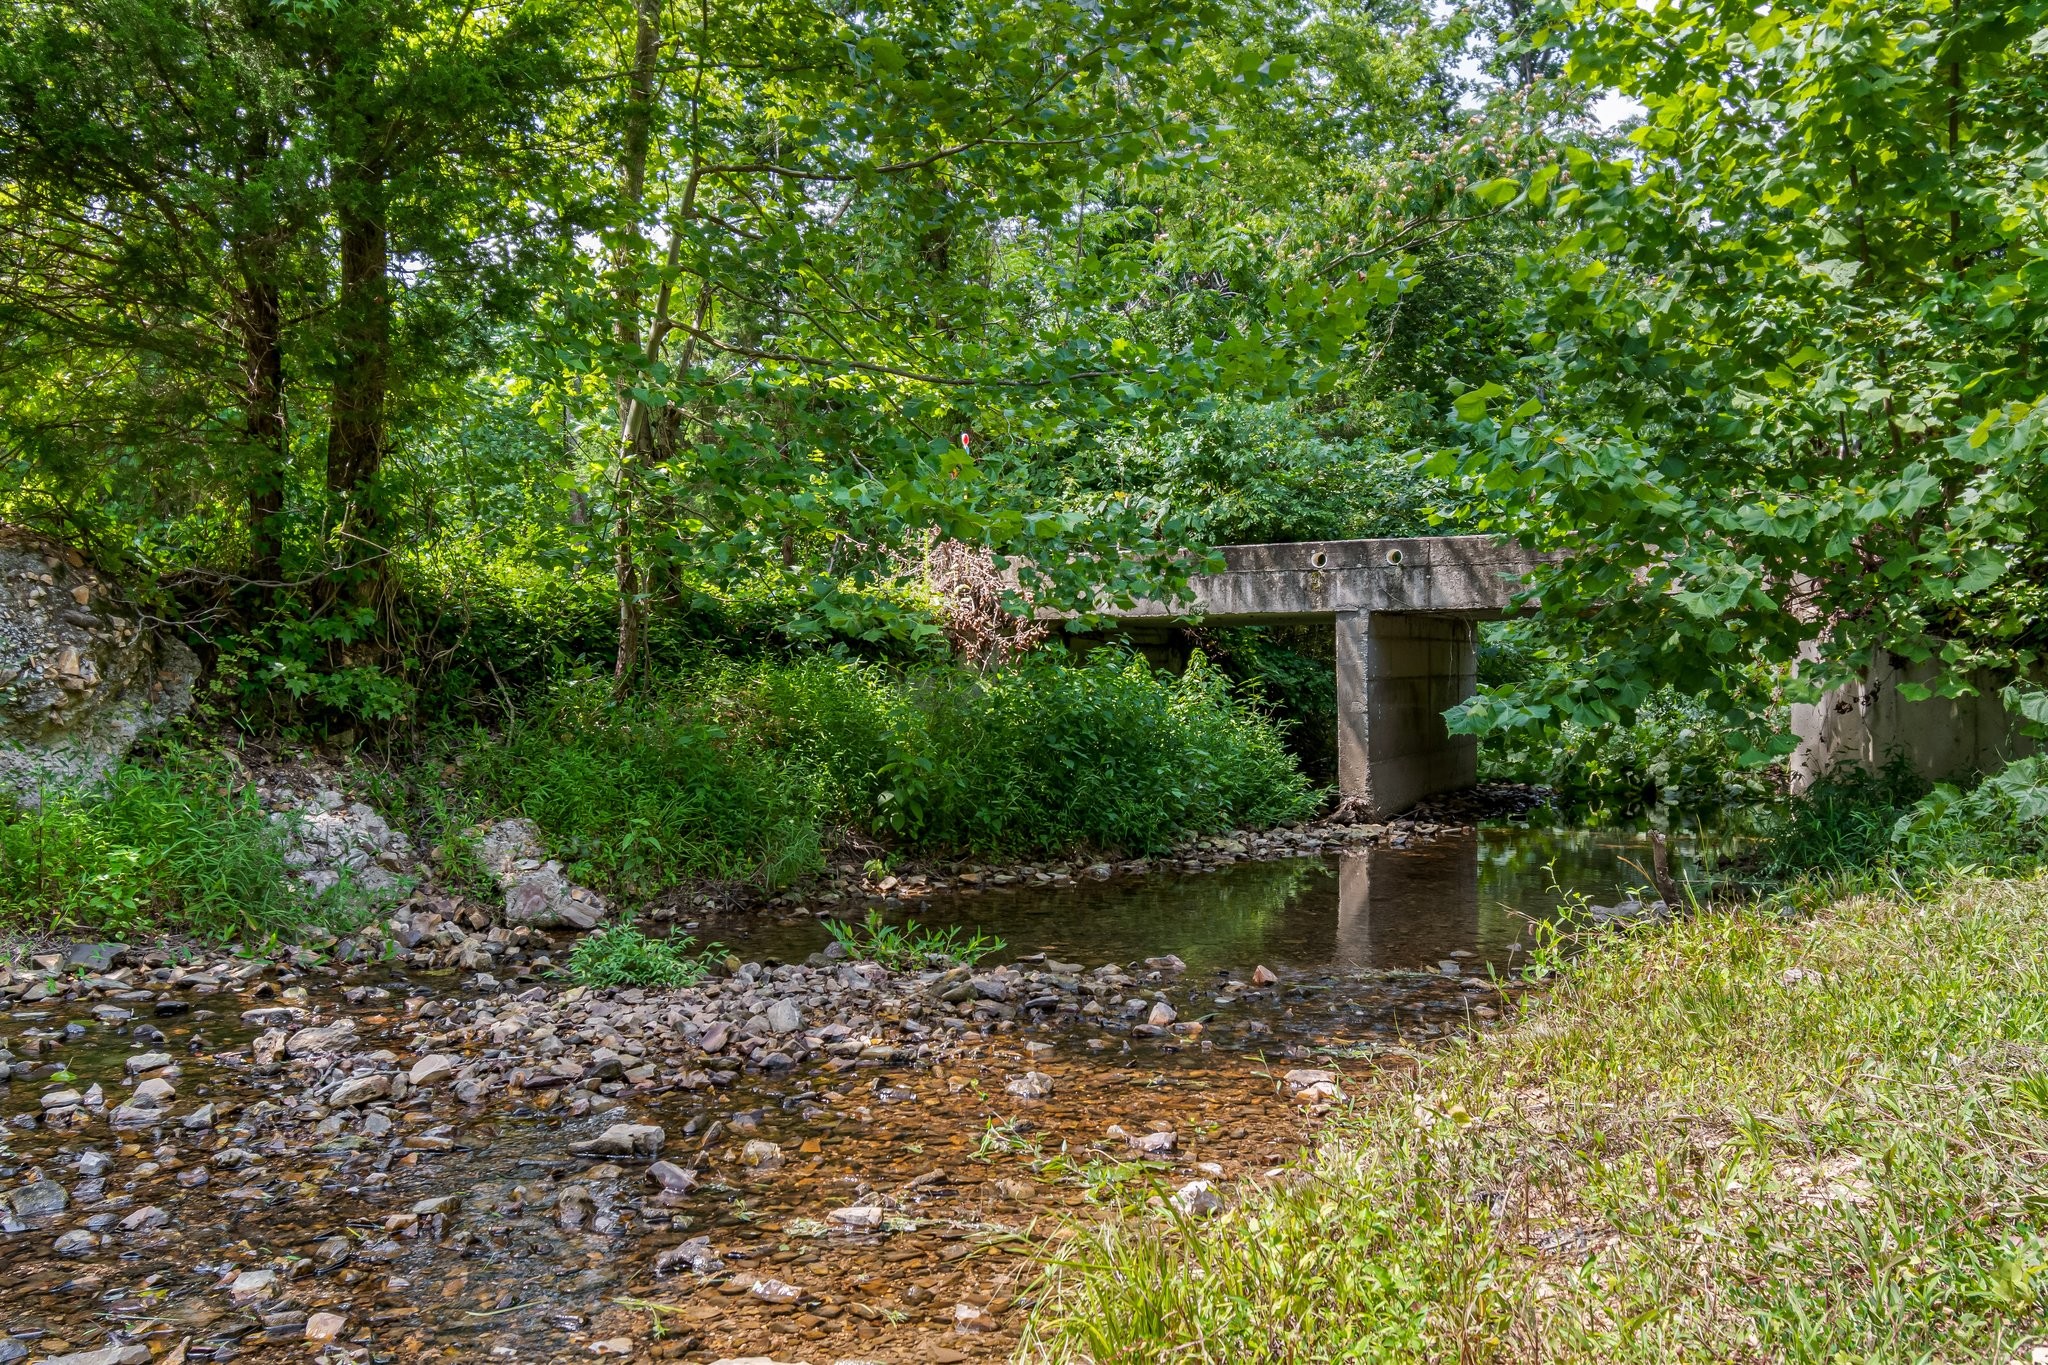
pixel 1943 739
pixel 1396 675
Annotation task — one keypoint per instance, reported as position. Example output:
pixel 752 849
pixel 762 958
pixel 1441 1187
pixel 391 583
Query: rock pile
pixel 329 837
pixel 537 892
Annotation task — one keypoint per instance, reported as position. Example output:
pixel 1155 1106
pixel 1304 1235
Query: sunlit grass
pixel 1733 1138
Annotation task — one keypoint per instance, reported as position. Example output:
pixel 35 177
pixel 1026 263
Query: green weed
pixel 174 845
pixel 620 955
pixel 910 945
pixel 639 796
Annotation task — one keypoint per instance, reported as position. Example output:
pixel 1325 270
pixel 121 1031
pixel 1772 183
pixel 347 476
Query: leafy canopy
pixel 1782 399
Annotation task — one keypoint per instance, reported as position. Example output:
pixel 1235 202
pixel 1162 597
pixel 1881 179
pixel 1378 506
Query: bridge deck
pixel 1472 576
pixel 1404 613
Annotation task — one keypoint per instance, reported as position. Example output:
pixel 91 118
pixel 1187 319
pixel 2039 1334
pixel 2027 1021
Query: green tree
pixel 836 244
pixel 1782 395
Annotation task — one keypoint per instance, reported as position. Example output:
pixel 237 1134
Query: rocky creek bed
pixel 420 1143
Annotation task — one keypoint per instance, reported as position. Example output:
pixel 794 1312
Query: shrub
pixel 638 796
pixel 732 773
pixel 173 847
pixel 1999 827
pixel 910 945
pixel 620 955
pixel 1108 753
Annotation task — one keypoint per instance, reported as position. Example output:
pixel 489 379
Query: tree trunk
pixel 263 421
pixel 355 431
pixel 632 426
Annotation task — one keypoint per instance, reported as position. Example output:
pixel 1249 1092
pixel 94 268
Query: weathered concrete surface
pixel 81 675
pixel 1944 739
pixel 1397 673
pixel 1319 579
pixel 1404 612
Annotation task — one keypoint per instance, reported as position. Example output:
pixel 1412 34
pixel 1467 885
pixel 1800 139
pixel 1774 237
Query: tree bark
pixel 263 421
pixel 355 431
pixel 632 424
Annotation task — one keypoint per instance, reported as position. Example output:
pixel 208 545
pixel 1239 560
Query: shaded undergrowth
pixel 740 772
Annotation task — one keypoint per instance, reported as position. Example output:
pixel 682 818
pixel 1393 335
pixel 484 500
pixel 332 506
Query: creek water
pixel 1386 907
pixel 1376 952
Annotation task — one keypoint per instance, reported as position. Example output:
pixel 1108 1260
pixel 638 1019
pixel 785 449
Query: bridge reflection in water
pixel 1386 908
pixel 1412 907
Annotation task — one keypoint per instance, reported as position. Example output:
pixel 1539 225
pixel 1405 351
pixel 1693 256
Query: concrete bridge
pixel 1404 612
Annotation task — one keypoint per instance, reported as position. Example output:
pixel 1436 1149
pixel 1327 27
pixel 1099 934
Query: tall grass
pixel 737 771
pixel 169 846
pixel 1723 1139
pixel 637 796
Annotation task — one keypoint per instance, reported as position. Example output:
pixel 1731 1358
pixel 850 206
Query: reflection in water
pixel 1468 895
pixel 1403 907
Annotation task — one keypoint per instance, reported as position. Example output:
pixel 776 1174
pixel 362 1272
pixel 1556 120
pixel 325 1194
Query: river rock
pixel 146 1061
pixel 1162 1014
pixel 1302 1078
pixel 1264 976
pixel 1197 1199
pixel 1032 1085
pixel 639 1141
pixel 325 1327
pixel 154 1093
pixel 359 1090
pixel 94 957
pixel 1152 1144
pixel 432 1070
pixel 546 899
pixel 328 1038
pixel 859 1218
pixel 762 1155
pixel 537 892
pixel 251 1285
pixel 81 676
pixel 671 1177
pixel 784 1017
pixel 133 1354
pixel 38 1199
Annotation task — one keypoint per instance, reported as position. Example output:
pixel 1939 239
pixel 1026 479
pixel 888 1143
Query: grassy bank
pixel 729 771
pixel 1733 1138
pixel 170 843
pixel 741 772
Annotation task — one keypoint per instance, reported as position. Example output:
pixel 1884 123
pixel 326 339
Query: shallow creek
pixel 431 1229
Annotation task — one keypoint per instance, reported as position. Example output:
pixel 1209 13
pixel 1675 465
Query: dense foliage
pixel 739 774
pixel 412 358
pixel 1781 366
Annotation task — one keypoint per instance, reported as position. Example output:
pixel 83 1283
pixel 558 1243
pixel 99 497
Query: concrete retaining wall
pixel 1944 739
